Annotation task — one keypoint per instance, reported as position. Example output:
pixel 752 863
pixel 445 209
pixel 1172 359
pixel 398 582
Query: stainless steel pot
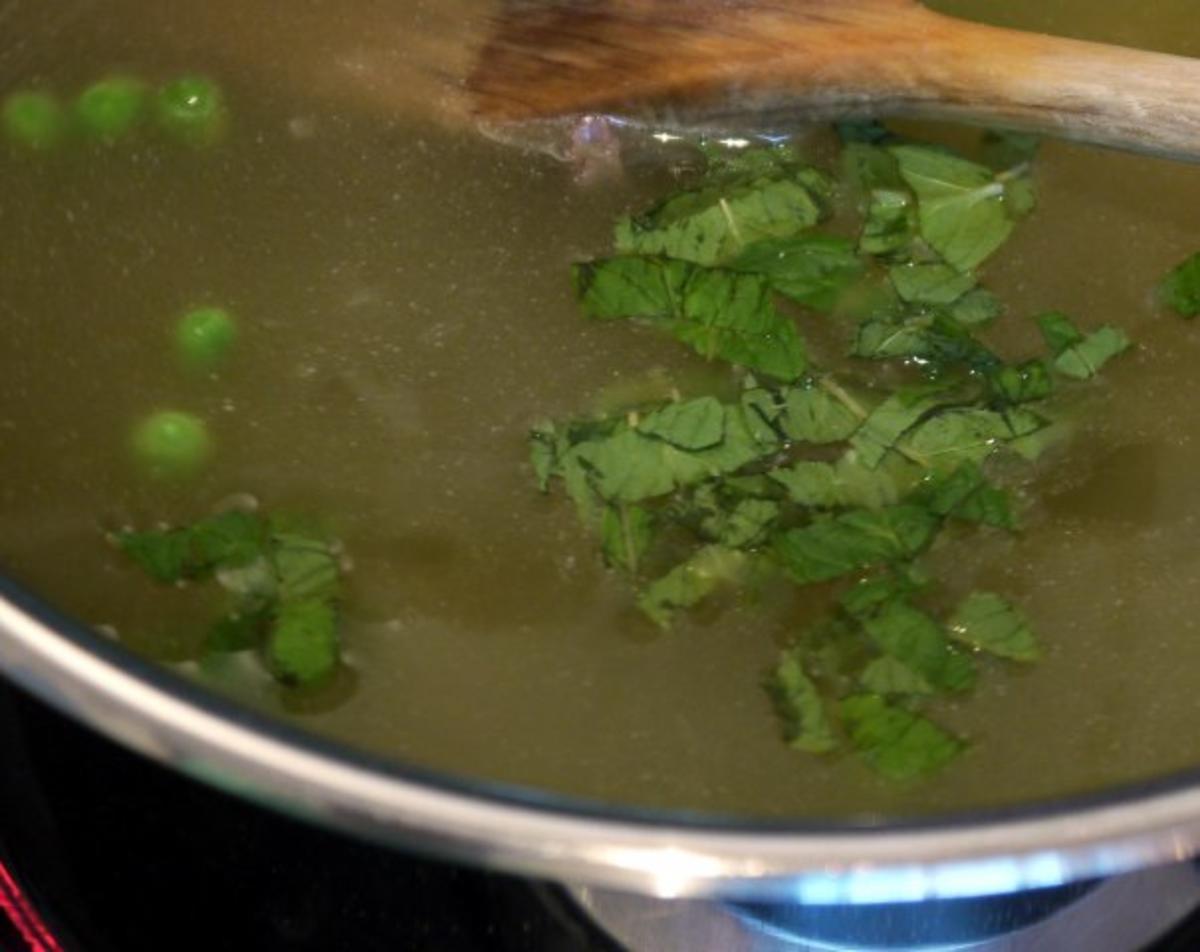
pixel 659 854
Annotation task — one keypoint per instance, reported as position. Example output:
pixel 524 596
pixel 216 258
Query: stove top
pixel 120 855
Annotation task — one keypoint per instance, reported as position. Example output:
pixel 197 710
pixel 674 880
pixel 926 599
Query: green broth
pixel 404 316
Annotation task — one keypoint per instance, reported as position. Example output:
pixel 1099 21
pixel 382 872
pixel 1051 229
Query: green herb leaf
pixel 831 547
pixel 977 308
pixel 746 524
pixel 1022 383
pixel 730 315
pixel 869 595
pixel 694 425
pixel 965 493
pixel 846 483
pixel 989 623
pixel 692 581
pixel 930 283
pixel 302 644
pixel 889 421
pixel 812 414
pixel 1058 331
pixel 1180 289
pixel 806 724
pixel 614 288
pixel 958 434
pixel 709 226
pixel 813 270
pixel 625 533
pixel 961 208
pixel 227 539
pixel 915 639
pixel 890 224
pixel 898 743
pixel 1084 359
pixel 305 566
pixel 888 675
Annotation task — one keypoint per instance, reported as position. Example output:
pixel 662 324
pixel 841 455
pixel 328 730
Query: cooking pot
pixel 655 853
pixel 661 854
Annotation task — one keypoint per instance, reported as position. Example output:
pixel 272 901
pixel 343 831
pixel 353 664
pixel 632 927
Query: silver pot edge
pixel 70 668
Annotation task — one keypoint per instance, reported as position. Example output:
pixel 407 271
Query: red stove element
pixel 23 917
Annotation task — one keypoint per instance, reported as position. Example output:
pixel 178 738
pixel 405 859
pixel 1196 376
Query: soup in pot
pixel 335 306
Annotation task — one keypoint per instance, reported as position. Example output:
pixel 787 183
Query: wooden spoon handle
pixel 1108 95
pixel 695 61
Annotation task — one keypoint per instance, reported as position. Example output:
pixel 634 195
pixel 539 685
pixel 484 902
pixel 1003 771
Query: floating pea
pixel 110 108
pixel 192 110
pixel 34 119
pixel 171 443
pixel 204 336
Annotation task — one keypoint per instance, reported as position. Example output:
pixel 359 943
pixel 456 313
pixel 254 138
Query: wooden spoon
pixel 691 59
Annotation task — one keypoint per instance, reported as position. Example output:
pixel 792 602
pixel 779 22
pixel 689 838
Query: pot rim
pixel 654 852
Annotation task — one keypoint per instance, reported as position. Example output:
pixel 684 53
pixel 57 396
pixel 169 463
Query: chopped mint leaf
pixel 302 644
pixel 1023 382
pixel 746 524
pixel 930 283
pixel 711 225
pixel 1180 289
pixel 695 425
pixel 890 224
pixel 934 337
pixel 813 414
pixel 831 547
pixel 626 532
pixel 692 581
pixel 868 595
pixel 647 288
pixel 194 552
pixel 812 270
pixel 284 579
pixel 960 205
pixel 964 493
pixel 806 724
pixel 989 623
pixel 1084 359
pixel 846 483
pixel 543 453
pixel 976 308
pixel 899 743
pixel 969 433
pixel 1058 331
pixel 889 421
pixel 887 675
pixel 166 556
pixel 305 566
pixel 730 316
pixel 725 163
pixel 915 639
pixel 724 314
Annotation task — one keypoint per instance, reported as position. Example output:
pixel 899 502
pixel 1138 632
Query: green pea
pixel 192 110
pixel 33 119
pixel 204 336
pixel 171 443
pixel 110 108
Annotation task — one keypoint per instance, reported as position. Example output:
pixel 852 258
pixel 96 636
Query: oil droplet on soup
pixel 404 315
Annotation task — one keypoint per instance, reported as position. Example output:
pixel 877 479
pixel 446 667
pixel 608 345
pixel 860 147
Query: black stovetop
pixel 124 856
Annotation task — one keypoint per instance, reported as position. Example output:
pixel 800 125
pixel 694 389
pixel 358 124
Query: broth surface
pixel 405 315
